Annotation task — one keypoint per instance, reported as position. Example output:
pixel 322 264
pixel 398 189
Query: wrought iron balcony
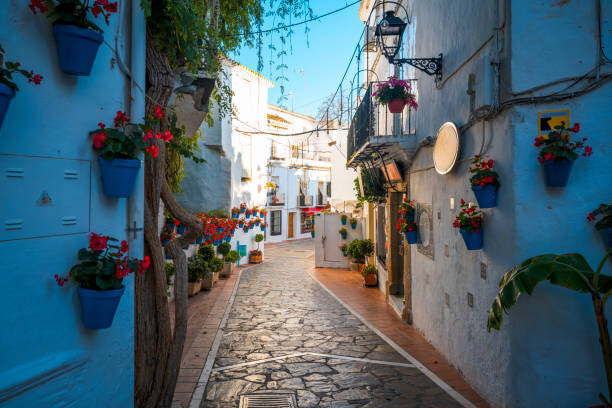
pixel 276 199
pixel 374 129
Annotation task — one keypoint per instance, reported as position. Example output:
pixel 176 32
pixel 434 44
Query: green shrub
pixel 215 264
pixel 224 248
pixel 206 252
pixel 194 271
pixel 360 249
pixel 259 238
pixel 232 257
pixel 169 267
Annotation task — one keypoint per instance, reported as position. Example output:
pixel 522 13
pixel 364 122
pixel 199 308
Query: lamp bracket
pixel 431 66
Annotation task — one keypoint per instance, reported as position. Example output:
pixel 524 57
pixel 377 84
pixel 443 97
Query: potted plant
pixel 395 93
pixel 406 209
pixel 230 261
pixel 263 226
pixel 343 232
pixel 119 147
pixel 77 38
pixel 99 276
pixel 409 229
pixel 263 212
pixel 243 208
pixel 343 219
pixel 359 250
pixel 571 271
pixel 166 235
pixel 248 213
pixel 469 222
pixel 353 222
pixel 223 249
pixel 255 211
pixel 216 266
pixel 255 256
pixel 605 224
pixel 194 277
pixel 485 182
pixel 8 88
pixel 235 212
pixel 558 152
pixel 343 248
pixel 207 277
pixel 370 277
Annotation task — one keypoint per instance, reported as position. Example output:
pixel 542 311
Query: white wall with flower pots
pixel 49 357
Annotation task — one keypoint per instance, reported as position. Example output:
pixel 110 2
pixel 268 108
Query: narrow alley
pixel 286 336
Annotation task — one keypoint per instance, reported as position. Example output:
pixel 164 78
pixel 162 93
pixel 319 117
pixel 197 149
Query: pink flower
pixel 60 280
pixel 148 135
pixel 121 119
pixel 101 125
pixel 152 150
pixel 167 136
pixel 159 113
pixel 35 78
pixel 97 242
pixel 124 246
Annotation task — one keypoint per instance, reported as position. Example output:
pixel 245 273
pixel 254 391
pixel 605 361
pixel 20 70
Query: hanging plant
pixel 343 219
pixel 558 152
pixel 343 233
pixel 469 222
pixel 119 147
pixel 408 228
pixel 8 88
pixel 605 223
pixel 76 36
pixel 485 182
pixel 395 93
pixel 99 275
pixel 406 210
pixel 353 222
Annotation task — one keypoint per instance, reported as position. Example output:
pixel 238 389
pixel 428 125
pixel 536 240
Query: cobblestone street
pixel 285 334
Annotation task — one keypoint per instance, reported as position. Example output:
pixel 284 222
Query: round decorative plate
pixel 446 150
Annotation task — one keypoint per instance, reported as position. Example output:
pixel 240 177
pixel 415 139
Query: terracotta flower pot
pixel 255 259
pixel 396 105
pixel 370 279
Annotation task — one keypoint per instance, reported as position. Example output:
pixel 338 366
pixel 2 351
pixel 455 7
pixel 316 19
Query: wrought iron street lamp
pixel 389 34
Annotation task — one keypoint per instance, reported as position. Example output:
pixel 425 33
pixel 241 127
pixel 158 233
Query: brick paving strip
pixel 284 333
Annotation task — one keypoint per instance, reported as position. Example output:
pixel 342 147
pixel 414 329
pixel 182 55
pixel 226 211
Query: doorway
pixel 290 222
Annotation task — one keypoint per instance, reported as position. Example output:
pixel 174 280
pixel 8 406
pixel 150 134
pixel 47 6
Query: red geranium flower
pixel 97 242
pixel 124 246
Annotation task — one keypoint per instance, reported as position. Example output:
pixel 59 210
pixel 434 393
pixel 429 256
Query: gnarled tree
pixel 192 35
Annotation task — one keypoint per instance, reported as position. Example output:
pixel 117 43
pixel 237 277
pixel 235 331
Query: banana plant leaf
pixel 570 270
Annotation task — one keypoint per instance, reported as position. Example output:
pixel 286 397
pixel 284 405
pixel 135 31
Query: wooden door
pixel 290 223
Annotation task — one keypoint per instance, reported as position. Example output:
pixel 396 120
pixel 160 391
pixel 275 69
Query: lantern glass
pixel 389 34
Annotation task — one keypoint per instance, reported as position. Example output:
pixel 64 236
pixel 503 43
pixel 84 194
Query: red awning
pixel 312 210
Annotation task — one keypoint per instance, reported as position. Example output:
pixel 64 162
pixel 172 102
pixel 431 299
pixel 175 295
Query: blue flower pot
pixel 343 221
pixel 344 253
pixel 312 234
pixel 118 176
pixel 343 235
pixel 248 216
pixel 473 240
pixel 6 94
pixel 409 217
pixel 181 229
pixel 411 237
pixel 76 48
pixel 255 213
pixel 607 236
pixel 228 239
pixel 242 210
pixel 234 215
pixel 353 225
pixel 557 172
pixel 98 307
pixel 486 195
pixel 199 240
pixel 263 228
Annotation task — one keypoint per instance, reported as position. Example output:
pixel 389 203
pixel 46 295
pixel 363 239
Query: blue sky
pixel 315 69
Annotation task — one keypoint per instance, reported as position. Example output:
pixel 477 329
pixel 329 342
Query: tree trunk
pixel 158 351
pixel 604 339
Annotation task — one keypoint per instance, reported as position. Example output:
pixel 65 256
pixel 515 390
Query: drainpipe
pixel 135 205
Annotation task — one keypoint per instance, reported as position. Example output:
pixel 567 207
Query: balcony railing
pixel 305 201
pixel 276 199
pixel 372 122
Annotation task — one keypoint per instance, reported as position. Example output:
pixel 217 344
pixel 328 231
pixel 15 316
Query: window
pixel 305 223
pixel 275 222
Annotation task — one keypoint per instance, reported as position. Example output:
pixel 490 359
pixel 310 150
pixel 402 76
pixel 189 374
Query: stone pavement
pixel 286 334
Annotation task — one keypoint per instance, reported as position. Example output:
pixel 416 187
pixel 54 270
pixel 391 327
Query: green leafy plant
pixel 360 249
pixel 393 89
pixel 195 270
pixel 483 173
pixel 232 257
pixel 343 247
pixel 255 252
pixel 353 220
pixel 469 219
pixel 557 145
pixel 570 271
pixel 169 269
pixel 344 217
pixel 342 231
pixel 104 264
pixel 206 252
pixel 9 68
pixel 405 225
pixel 224 248
pixel 605 210
pixel 367 270
pixel 215 264
pixel 75 12
pixel 179 149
